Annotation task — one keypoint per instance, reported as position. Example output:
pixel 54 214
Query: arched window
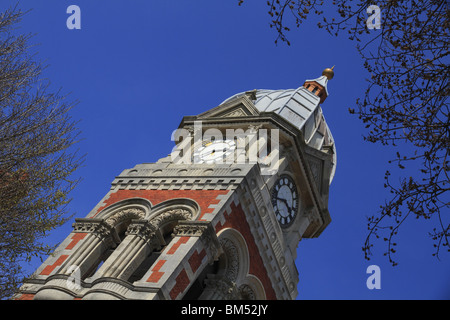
pixel 164 218
pixel 228 278
pixel 141 236
pixel 109 232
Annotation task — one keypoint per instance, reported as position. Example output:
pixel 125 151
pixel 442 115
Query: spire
pixel 318 86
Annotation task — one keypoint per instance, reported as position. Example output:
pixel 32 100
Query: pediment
pixel 238 107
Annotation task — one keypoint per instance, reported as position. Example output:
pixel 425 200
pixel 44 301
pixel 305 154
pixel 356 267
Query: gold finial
pixel 329 73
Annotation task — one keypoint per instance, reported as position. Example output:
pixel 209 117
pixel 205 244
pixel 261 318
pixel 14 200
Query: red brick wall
pixel 156 274
pixel 182 281
pixel 196 260
pixel 177 244
pixel 75 239
pixel 48 269
pixel 204 198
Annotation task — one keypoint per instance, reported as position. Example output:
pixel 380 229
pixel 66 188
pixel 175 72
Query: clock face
pixel 217 151
pixel 285 200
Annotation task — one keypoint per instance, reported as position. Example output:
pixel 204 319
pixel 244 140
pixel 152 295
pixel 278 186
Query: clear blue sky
pixel 137 67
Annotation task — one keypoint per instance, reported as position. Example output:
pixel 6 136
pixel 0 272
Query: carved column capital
pixel 191 228
pixel 95 226
pixel 206 233
pixel 146 231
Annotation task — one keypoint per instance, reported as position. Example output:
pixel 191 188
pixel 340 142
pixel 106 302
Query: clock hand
pixel 282 199
pixel 285 202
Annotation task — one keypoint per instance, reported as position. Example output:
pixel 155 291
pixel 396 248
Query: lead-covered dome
pixel 301 107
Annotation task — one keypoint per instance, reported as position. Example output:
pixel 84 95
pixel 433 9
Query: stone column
pixel 193 247
pixel 100 237
pixel 141 239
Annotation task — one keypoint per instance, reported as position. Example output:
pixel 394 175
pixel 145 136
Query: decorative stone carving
pixel 232 256
pixel 205 231
pixel 235 113
pixel 222 289
pixel 143 229
pixel 95 226
pixel 254 128
pixel 246 292
pixel 190 229
pixel 169 215
pixel 125 214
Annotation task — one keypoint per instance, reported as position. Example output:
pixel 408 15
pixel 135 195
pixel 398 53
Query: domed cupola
pixel 301 107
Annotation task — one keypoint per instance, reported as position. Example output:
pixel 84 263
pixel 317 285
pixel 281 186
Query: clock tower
pixel 219 218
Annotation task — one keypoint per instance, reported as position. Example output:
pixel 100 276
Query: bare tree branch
pixel 36 155
pixel 406 100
